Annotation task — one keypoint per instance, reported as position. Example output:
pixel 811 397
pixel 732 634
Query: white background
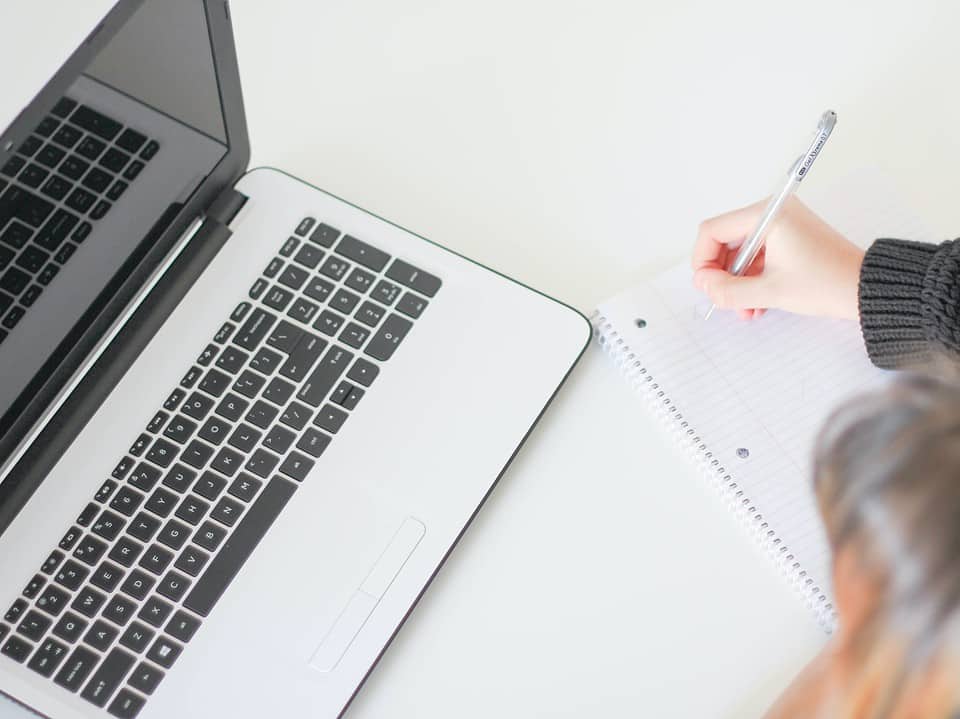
pixel 575 146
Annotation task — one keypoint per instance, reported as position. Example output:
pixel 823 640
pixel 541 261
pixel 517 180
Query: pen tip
pixel 709 312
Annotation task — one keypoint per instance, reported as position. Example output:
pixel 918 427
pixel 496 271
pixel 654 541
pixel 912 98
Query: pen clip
pixel 801 167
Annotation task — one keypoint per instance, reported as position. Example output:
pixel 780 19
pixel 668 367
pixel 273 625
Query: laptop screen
pixel 128 142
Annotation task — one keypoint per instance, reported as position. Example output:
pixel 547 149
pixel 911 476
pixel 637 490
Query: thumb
pixel 727 291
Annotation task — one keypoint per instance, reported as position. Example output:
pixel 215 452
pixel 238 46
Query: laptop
pixel 243 422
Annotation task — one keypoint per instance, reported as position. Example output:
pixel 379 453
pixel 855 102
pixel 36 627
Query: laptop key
pixel 210 485
pixel 125 551
pixel 303 311
pixel 155 611
pixel 131 140
pixel 47 126
pixel 246 536
pixel 164 652
pixel 34 625
pixel 90 147
pixel 145 678
pixel 173 586
pixel 126 705
pixel 265 362
pixel 245 487
pixel 89 550
pixel 16 235
pixel 108 525
pixel 70 627
pixel 233 406
pixel 325 235
pixel 296 416
pixel 411 305
pixel 304 227
pixel 48 657
pixel 334 268
pixel 52 562
pixel 70 538
pixel 278 298
pixel 362 253
pixel 344 301
pixel 363 372
pixel 156 559
pixel 138 584
pixel 67 136
pixel 227 511
pixel 115 160
pixel 197 406
pixel 73 167
pixel 16 648
pixel 261 463
pixel 101 635
pixel 161 502
pixel 108 677
pixel 328 322
pixel 385 292
pixel 330 418
pixel 119 610
pixel 150 150
pixel 209 536
pixel 248 384
pixel 13 614
pixel 354 335
pixel 174 534
pixel 293 277
pixel 318 289
pixel 313 442
pixel 76 668
pixel 285 337
pixel 34 586
pixel 296 466
pixel 94 122
pixel 196 454
pixel 254 329
pixel 144 525
pixel 191 561
pixel 192 509
pixel 126 501
pixel 107 576
pixel 388 337
pixel 88 602
pixel 245 437
pixel 414 278
pixel 309 256
pixel 326 374
pixel 279 439
pixel 137 637
pixel 80 200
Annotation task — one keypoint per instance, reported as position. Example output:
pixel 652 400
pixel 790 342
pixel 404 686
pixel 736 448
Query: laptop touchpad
pixel 365 599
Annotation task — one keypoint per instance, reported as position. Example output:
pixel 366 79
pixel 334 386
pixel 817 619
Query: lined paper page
pixel 757 393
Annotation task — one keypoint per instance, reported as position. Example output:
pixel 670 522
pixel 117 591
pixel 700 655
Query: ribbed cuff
pixel 891 301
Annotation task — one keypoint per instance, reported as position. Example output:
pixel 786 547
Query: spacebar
pixel 239 545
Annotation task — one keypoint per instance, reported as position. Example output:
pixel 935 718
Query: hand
pixel 805 266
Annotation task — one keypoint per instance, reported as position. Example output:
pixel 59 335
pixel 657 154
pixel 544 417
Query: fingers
pixel 719 234
pixel 729 292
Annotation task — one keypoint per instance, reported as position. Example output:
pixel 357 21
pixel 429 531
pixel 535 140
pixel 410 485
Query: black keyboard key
pixel 30 146
pixel 15 611
pixel 289 246
pixel 143 526
pixel 192 509
pixel 126 705
pixel 182 626
pixel 370 313
pixel 414 278
pixel 362 253
pixel 67 136
pixel 296 415
pixel 89 550
pixel 278 298
pixel 344 301
pixel 65 253
pixel 257 288
pixel 197 406
pixel 5 302
pixel 197 454
pixel 47 126
pixel 53 600
pixel 51 563
pixel 73 167
pixel 13 317
pixel 64 107
pixel 324 235
pixel 179 478
pixel 88 602
pixel 108 677
pixel 180 429
pixel 215 382
pixel 94 122
pixel 156 559
pixel 309 256
pixel 232 359
pixel 126 501
pixel 254 329
pixel 76 668
pixel 70 627
pixel 155 612
pixel 279 391
pixel 101 635
pixel 97 180
pixel 34 625
pixel 33 176
pixel 71 575
pixel 80 200
pixel 261 463
pixel 31 295
pixel 388 337
pixel 248 384
pixel 56 187
pixel 313 442
pixel 48 657
pixel 359 280
pixel 90 147
pixel 140 444
pixel 99 210
pixel 354 335
pixel 161 502
pixel 334 268
pixel 210 485
pixel 162 452
pixel 174 534
pixel 108 525
pixel 245 487
pixel 227 462
pixel 233 406
pixel 55 231
pixel 227 511
pixel 157 422
pixel 119 610
pixel 125 551
pixel 145 678
pixel 50 156
pixel 32 259
pixel 224 333
pixel 16 648
pixel 271 270
pixel 82 232
pixel 34 586
pixel 210 535
pixel 150 150
pixel 145 476
pixel 296 466
pixel 318 289
pixel 240 311
pixel 13 166
pixel 173 586
pixel 245 437
pixel 293 277
pixel 327 373
pixel 328 323
pixel 386 292
pixel 71 537
pixel 131 140
pixel 16 235
pixel 107 576
pixel 247 534
pixel 285 337
pixel 279 439
pixel 304 227
pixel 330 418
pixel 137 637
pixel 116 190
pixel 264 361
pixel 14 281
pixel 21 204
pixel 363 372
pixel 138 584
pixel 352 398
pixel 192 560
pixel 303 310
pixel 115 160
pixel 164 652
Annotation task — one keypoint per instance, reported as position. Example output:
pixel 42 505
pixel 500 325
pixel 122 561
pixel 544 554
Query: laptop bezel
pixel 16 482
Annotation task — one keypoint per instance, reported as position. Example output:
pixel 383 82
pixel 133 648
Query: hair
pixel 887 480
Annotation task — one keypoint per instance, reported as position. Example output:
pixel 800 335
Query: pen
pixel 799 170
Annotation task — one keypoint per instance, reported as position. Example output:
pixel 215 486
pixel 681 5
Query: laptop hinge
pixel 226 206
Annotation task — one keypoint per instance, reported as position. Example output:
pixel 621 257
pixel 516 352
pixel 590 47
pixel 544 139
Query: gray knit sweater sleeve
pixel 909 300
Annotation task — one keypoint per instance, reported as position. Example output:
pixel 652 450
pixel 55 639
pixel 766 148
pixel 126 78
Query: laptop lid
pixel 164 67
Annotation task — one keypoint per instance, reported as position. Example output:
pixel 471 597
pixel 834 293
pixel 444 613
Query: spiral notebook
pixel 746 399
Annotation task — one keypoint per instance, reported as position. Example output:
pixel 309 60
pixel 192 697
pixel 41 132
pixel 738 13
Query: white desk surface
pixel 575 146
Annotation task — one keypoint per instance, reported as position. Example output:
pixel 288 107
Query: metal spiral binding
pixel 712 470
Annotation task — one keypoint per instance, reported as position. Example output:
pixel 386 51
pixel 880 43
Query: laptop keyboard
pixel 64 177
pixel 128 586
